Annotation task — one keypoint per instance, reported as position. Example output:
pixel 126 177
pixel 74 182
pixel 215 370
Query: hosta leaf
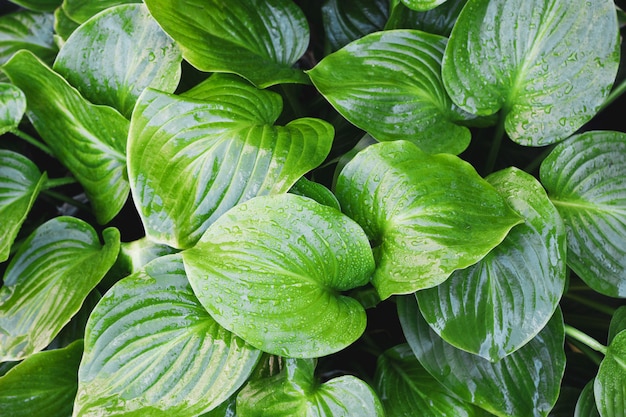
pixel 121 32
pixel 539 62
pixel 609 384
pixel 407 390
pixel 348 20
pixel 12 107
pixel 44 384
pixel 27 30
pixel 566 404
pixel 190 161
pixel 316 192
pixel 494 307
pixel 389 84
pixel 39 5
pixel 439 20
pixel 63 26
pixel 618 323
pixel 176 361
pixel 272 269
pixel 525 383
pixel 80 11
pixel 20 183
pixel 586 404
pixel 89 140
pixel 422 5
pixel 427 215
pixel 47 281
pixel 260 40
pixel 586 179
pixel 295 392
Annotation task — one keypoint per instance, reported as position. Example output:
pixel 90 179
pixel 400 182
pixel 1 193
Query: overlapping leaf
pixel 494 307
pixel 439 20
pixel 608 387
pixel 427 215
pixel 586 179
pixel 47 281
pixel 348 20
pixel 422 5
pixel 272 270
pixel 27 30
pixel 540 62
pixel 38 5
pixel 12 107
pixel 586 404
pixel 64 26
pixel 80 11
pixel 176 360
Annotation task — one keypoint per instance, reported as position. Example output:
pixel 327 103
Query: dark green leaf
pixel 63 25
pixel 27 30
pixel 566 404
pixel 422 5
pixel 80 10
pixel 349 20
pixel 439 20
pixel 12 107
pixel 38 5
pixel 618 323
pixel 609 384
pixel 586 405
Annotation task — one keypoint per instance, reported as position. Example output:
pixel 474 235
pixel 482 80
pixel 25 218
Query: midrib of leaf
pixel 588 206
pixel 407 380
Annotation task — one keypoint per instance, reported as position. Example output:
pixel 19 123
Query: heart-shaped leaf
pixel 43 384
pixel 20 183
pixel 38 5
pixel 12 107
pixel 586 179
pixel 47 281
pixel 427 215
pixel 586 404
pixel 496 306
pixel 349 20
pixel 260 40
pixel 608 387
pixel 540 62
pixel 176 361
pixel 525 383
pixel 422 5
pixel 439 20
pixel 89 140
pixel 389 84
pixel 27 30
pixel 120 32
pixel 80 11
pixel 295 392
pixel 190 161
pixel 272 269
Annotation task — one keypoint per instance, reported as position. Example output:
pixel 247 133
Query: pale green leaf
pixel 27 30
pixel 608 387
pixel 12 107
pixel 80 10
pixel 348 20
pixel 422 5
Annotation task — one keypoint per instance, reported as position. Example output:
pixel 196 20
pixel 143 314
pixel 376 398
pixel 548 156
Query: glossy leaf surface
pixel 80 11
pixel 586 179
pixel 190 161
pixel 89 140
pixel 260 40
pixel 145 56
pixel 176 360
pixel 12 107
pixel 47 281
pixel 27 30
pixel 608 387
pixel 586 404
pixel 618 323
pixel 38 5
pixel 64 26
pixel 540 62
pixel 389 84
pixel 348 20
pixel 427 215
pixel 422 5
pixel 272 270
pixel 315 191
pixel 497 305
pixel 439 20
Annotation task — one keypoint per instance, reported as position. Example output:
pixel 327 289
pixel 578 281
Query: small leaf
pixel 496 306
pixel 38 5
pixel 80 10
pixel 389 84
pixel 586 179
pixel 618 323
pixel 260 40
pixel 176 361
pixel 427 215
pixel 609 384
pixel 43 384
pixel 63 26
pixel 27 30
pixel 586 405
pixel 89 140
pixel 348 20
pixel 422 5
pixel 47 281
pixel 84 60
pixel 539 62
pixel 12 107
pixel 439 20
pixel 316 192
pixel 272 270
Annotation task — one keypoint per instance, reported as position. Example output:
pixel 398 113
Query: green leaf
pixel 260 40
pixel 586 179
pixel 496 306
pixel 389 84
pixel 586 405
pixel 295 392
pixel 189 161
pixel 566 404
pixel 427 215
pixel 121 32
pixel 609 384
pixel 540 62
pixel 80 10
pixel 422 5
pixel 47 281
pixel 272 270
pixel 176 361
pixel 20 183
pixel 406 389
pixel 89 140
pixel 27 30
pixel 44 384
pixel 348 20
pixel 439 20
pixel 12 107
pixel 316 192
pixel 525 383
pixel 38 5
pixel 63 26
pixel 618 323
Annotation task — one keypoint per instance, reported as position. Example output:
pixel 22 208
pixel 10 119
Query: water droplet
pixel 151 56
pixel 562 121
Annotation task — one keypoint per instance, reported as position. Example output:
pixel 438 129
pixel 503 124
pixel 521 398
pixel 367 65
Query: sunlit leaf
pixel 316 192
pixel 80 10
pixel 27 30
pixel 348 20
pixel 12 107
pixel 608 387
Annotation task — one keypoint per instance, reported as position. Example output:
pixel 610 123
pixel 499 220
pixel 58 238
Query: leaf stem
pixel 294 103
pixel 614 95
pixel 59 182
pixel 495 145
pixel 36 143
pixel 585 339
pixel 590 303
pixel 535 163
pixel 66 199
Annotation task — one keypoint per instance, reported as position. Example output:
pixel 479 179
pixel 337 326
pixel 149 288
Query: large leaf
pixel 608 387
pixel 272 270
pixel 44 384
pixel 439 20
pixel 586 179
pixel 80 10
pixel 349 20
pixel 389 84
pixel 89 140
pixel 427 215
pixel 27 30
pixel 174 361
pixel 540 62
pixel 497 305
pixel 47 281
pixel 525 383
pixel 190 160
pixel 144 57
pixel 295 392
pixel 12 107
pixel 20 183
pixel 260 40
